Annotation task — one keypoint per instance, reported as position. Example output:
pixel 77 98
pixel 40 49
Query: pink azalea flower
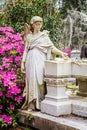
pixel 4 59
pixel 11 50
pixel 2 51
pixel 18 37
pixel 9 29
pixel 1 107
pixel 10 59
pixel 7 119
pixel 8 47
pixel 0 67
pixel 17 58
pixel 18 63
pixel 9 95
pixel 1 94
pixel 12 106
pixel 6 65
pixel 9 35
pixel 11 75
pixel 19 98
pixel 14 90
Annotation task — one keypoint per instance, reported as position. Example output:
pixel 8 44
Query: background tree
pixel 72 4
pixel 21 11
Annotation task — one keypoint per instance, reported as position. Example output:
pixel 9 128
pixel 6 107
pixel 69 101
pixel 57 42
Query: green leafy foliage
pixel 3 18
pixel 22 12
pixel 29 117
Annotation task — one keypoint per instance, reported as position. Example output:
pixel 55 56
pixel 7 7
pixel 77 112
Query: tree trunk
pixel 79 5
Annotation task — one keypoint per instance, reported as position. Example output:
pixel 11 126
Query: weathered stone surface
pixel 75 54
pixel 60 68
pixel 47 122
pixel 56 88
pixel 79 107
pixel 56 108
pixel 79 70
pixel 57 68
pixel 82 91
pixel 63 68
pixel 56 101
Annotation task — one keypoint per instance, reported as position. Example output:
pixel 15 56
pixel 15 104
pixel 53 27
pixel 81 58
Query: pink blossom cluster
pixel 6 119
pixel 11 79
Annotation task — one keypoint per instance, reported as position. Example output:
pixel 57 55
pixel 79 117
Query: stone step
pixel 79 106
pixel 43 121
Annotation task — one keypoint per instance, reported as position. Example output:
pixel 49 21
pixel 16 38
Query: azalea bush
pixel 11 79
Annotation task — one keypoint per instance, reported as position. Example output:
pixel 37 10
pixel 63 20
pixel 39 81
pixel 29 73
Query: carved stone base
pixel 56 108
pixel 56 101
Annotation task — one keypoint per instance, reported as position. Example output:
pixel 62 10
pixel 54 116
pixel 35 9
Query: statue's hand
pixel 23 67
pixel 65 56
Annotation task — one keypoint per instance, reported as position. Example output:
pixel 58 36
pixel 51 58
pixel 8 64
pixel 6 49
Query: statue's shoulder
pixel 45 33
pixel 29 36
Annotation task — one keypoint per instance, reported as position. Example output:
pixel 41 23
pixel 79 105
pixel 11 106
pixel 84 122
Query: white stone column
pixel 56 101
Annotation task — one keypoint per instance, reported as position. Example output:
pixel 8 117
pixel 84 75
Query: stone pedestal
pixel 79 71
pixel 56 101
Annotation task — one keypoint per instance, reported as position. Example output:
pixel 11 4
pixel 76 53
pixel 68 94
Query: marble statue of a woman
pixel 38 48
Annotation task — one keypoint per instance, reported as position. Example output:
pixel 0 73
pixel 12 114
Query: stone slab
pixel 42 121
pixel 79 70
pixel 79 107
pixel 65 68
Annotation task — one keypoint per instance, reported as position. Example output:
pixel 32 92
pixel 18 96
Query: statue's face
pixel 37 25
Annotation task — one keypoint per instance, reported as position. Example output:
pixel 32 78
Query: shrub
pixel 20 13
pixel 11 79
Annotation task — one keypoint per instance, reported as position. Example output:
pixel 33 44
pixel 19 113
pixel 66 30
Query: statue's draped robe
pixel 37 50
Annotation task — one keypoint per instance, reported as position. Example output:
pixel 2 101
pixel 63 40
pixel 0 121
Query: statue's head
pixel 36 19
pixel 36 23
